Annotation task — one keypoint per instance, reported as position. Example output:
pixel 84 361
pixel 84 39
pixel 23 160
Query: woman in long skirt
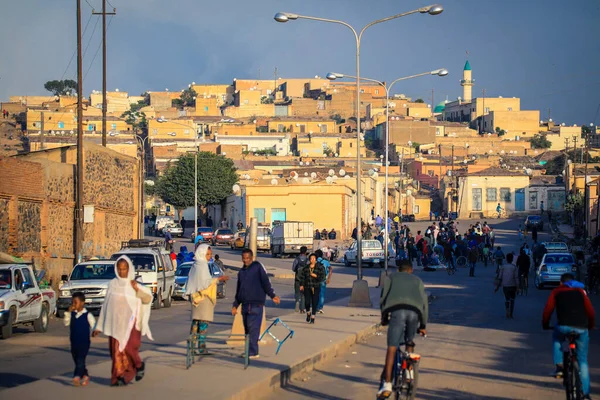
pixel 124 319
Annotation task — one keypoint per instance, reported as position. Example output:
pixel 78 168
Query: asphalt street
pixel 471 352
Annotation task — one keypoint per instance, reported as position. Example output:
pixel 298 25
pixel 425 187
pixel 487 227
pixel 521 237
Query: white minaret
pixel 467 83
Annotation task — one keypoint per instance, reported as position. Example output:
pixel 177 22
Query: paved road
pixel 471 350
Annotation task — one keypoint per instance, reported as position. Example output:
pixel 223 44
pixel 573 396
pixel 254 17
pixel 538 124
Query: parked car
pixel 222 236
pixel 206 233
pixel 92 279
pixel 551 268
pixel 263 239
pixel 534 220
pixel 153 267
pixel 556 247
pixel 237 242
pixel 175 228
pixel 161 222
pixel 22 301
pixel 181 277
pixel 372 253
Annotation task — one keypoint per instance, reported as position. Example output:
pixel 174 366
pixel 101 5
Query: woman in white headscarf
pixel 201 289
pixel 124 319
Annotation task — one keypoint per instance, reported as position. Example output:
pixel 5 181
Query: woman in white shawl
pixel 201 289
pixel 124 319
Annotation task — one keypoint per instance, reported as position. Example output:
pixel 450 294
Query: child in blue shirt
pixel 81 324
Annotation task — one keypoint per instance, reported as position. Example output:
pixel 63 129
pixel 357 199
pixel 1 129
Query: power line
pixel 91 6
pixel 91 37
pixel 97 50
pixel 110 4
pixel 75 51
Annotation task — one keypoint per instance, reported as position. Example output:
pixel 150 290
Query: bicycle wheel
pixel 412 386
pixel 577 387
pixel 461 261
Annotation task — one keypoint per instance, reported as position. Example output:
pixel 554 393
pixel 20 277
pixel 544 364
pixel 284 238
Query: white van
pixel 161 222
pixel 153 267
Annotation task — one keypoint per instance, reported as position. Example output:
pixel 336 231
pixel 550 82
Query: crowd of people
pixel 325 235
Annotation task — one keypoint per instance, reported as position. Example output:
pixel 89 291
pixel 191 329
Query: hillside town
pixel 317 225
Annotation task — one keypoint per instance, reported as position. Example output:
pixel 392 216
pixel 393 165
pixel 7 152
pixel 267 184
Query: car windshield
pixel 204 230
pixel 225 232
pixel 371 244
pixel 183 270
pixel 93 271
pixel 559 259
pixel 141 262
pixel 176 226
pixel 5 279
pixel 534 218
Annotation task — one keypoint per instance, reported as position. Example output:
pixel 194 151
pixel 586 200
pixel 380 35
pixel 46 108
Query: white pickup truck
pixel 22 301
pixel 372 253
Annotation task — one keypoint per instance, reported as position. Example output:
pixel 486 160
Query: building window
pixel 155 131
pixel 491 194
pixel 437 132
pixel 487 110
pixel 430 172
pixel 362 90
pixel 302 128
pixel 278 214
pixel 91 127
pixel 416 209
pixel 61 125
pixel 113 126
pixel 246 101
pixel 37 124
pixel 186 131
pixel 376 91
pixel 259 214
pixel 509 108
pixel 323 128
pixel 533 200
pixel 505 195
pixel 280 128
pixel 206 108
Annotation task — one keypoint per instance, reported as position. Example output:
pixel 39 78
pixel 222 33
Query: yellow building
pixel 557 135
pixel 301 125
pixel 223 93
pixel 207 106
pixel 514 123
pixel 316 145
pixel 117 102
pixel 479 193
pixel 66 121
pixel 184 128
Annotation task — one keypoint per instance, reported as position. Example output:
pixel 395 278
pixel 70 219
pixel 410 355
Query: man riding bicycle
pixel 499 210
pixel 523 264
pixel 405 308
pixel 574 313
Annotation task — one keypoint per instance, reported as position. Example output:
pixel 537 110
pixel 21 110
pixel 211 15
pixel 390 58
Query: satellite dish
pixel 236 188
pixel 329 179
pixel 72 132
pixel 409 192
pixel 305 180
pixel 331 172
pixel 294 175
pixel 313 175
pixel 274 181
pixel 342 172
pixel 306 174
pixel 301 163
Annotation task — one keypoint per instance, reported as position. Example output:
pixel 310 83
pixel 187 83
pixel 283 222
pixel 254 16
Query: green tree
pixel 65 87
pixel 337 118
pixel 216 176
pixel 135 117
pixel 586 129
pixel 419 101
pixel 540 142
pixel 500 131
pixel 186 99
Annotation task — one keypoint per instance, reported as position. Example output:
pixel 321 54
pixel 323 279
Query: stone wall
pixel 4 225
pixel 29 227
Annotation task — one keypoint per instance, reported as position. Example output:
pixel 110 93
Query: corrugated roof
pixel 495 171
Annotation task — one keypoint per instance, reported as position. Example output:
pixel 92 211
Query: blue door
pixel 520 200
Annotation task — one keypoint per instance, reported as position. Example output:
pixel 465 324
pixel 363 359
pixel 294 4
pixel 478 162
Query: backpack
pixel 326 266
pixel 302 263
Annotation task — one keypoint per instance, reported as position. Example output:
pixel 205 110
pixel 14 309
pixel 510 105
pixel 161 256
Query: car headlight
pixel 65 293
pixel 1 305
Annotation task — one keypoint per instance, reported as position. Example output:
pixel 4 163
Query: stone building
pixel 37 205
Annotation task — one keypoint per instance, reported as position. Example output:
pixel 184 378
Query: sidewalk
pixel 222 376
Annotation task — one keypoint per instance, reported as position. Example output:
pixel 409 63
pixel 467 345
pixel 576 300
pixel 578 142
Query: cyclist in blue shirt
pixel 328 272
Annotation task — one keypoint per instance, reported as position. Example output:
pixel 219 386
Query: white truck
pixel 372 253
pixel 90 278
pixel 22 301
pixel 287 237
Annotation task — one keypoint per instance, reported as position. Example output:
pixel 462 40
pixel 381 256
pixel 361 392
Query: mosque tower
pixel 467 83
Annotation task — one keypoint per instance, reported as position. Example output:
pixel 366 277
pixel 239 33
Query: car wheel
pixel 158 302
pixel 60 313
pixel 346 262
pixel 537 283
pixel 41 324
pixel 168 300
pixel 7 330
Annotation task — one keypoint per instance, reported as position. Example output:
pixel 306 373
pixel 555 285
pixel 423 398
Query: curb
pixel 269 274
pixel 282 378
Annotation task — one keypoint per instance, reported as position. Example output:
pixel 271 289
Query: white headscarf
pixel 200 277
pixel 122 308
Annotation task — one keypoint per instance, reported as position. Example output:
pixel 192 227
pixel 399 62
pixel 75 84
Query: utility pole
pixel 432 102
pixel 453 179
pixel 567 183
pixel 79 190
pixel 42 130
pixel 483 112
pixel 440 179
pixel 585 190
pixel 104 14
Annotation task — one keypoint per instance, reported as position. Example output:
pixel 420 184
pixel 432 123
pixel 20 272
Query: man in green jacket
pixel 405 308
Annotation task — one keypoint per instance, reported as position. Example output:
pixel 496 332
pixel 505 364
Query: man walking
pixel 299 263
pixel 328 272
pixel 253 286
pixel 473 257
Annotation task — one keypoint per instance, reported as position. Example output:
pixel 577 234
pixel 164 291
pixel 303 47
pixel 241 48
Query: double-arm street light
pixel 360 288
pixel 335 75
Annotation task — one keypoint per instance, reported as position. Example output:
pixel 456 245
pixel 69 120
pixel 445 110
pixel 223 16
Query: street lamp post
pixel 360 289
pixel 335 75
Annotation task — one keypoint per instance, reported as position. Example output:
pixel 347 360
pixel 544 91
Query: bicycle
pixel 571 377
pixel 461 261
pixel 450 268
pixel 405 374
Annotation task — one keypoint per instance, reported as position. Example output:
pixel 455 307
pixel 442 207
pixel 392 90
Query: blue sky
pixel 545 51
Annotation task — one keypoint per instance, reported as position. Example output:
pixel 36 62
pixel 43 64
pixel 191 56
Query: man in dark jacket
pixel 574 314
pixel 253 286
pixel 299 263
pixel 405 308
